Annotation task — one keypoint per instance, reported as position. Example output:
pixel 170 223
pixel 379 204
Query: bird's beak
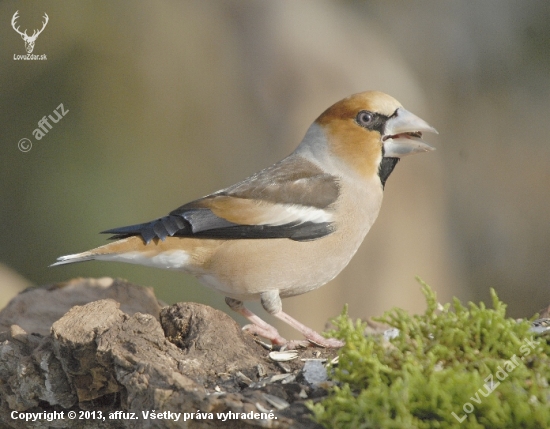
pixel 403 135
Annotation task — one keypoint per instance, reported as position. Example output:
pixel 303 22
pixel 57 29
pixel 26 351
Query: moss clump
pixel 489 370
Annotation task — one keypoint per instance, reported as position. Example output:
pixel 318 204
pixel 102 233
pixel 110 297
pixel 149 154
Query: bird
pixel 289 228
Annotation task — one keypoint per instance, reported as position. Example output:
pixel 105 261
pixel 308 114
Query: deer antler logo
pixel 29 40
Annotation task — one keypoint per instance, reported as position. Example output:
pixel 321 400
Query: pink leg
pixel 265 330
pixel 258 326
pixel 309 333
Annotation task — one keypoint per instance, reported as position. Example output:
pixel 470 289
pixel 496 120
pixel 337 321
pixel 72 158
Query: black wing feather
pixel 202 223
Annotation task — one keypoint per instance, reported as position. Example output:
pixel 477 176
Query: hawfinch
pixel 289 228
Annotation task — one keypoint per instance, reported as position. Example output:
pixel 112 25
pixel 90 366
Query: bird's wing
pixel 291 199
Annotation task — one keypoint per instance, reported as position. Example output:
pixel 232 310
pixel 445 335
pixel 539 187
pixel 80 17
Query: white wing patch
pixel 281 214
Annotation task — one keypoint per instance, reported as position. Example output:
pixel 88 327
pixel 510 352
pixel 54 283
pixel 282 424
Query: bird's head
pixel 370 132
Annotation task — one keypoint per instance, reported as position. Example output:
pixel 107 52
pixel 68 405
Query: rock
pixel 315 372
pixel 36 308
pixel 104 355
pixel 75 338
pixel 212 341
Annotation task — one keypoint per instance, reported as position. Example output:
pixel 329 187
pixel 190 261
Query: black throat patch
pixel 386 167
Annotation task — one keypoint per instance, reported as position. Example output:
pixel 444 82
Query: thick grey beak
pixel 403 135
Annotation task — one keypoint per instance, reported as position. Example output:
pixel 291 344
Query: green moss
pixel 442 362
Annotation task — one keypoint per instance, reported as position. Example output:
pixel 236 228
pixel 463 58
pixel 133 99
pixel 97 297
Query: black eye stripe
pixel 371 120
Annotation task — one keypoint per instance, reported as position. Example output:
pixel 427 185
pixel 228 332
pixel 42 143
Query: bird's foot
pixel 314 339
pixel 266 331
pixel 312 336
pixel 277 341
pixel 326 342
pixel 296 344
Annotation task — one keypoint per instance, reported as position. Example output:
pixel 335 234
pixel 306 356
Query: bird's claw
pixel 279 342
pixel 326 342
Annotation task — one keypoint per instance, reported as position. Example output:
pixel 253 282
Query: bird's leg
pixel 258 326
pixel 271 301
pixel 310 334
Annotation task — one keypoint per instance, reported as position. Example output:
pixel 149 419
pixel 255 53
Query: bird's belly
pixel 260 267
pixel 243 269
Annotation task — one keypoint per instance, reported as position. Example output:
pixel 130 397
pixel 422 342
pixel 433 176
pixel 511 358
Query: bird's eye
pixel 365 118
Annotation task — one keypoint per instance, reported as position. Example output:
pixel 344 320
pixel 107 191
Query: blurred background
pixel 168 101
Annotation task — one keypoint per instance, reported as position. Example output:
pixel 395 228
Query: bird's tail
pixel 171 253
pixel 105 252
pixel 77 257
